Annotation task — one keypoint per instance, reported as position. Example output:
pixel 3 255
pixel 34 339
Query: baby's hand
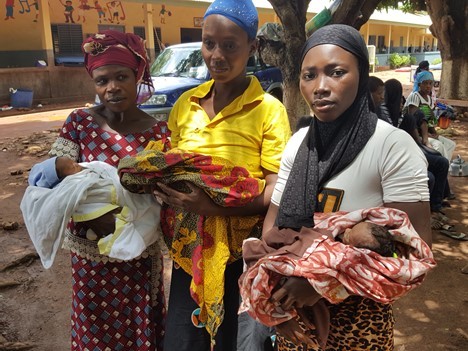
pixel 295 292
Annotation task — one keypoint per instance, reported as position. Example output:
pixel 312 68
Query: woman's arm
pixel 270 218
pixel 419 214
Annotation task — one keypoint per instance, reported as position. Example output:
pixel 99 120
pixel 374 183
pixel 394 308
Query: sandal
pixel 435 224
pixel 447 227
pixel 440 216
pixel 454 235
pixel 451 196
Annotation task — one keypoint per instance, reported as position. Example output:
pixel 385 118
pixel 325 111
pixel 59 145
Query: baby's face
pixel 360 236
pixel 66 166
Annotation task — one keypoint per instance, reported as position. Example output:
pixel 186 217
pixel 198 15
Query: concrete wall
pixel 56 84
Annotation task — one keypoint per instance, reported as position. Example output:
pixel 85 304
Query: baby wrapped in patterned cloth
pixel 334 269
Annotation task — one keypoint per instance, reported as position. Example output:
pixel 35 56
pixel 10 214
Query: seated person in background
pixel 423 66
pixel 423 101
pixel 411 123
pixel 85 191
pixel 377 90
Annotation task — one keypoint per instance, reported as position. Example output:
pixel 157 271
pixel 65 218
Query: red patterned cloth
pixel 116 305
pixel 336 270
pixel 201 245
pixel 123 49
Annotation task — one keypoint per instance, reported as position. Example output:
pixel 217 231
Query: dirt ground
pixel 35 303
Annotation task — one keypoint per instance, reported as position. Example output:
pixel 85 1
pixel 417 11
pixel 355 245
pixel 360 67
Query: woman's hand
pixel 103 225
pixel 293 331
pixel 197 201
pixel 295 292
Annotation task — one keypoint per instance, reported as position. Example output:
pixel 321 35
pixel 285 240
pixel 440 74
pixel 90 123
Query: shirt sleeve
pixel 67 144
pixel 287 161
pixel 276 134
pixel 172 124
pixel 403 169
pixel 413 100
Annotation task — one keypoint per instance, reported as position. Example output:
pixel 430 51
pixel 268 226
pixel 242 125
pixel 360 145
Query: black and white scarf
pixel 328 148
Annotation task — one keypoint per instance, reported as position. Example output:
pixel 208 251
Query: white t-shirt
pixel 415 99
pixel 390 168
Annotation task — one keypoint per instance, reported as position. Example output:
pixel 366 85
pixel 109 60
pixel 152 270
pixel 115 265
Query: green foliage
pixel 410 6
pixel 436 61
pixel 413 60
pixel 396 60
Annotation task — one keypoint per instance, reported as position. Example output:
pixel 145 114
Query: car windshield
pixel 179 62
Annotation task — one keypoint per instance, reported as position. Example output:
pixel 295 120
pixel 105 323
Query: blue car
pixel 181 67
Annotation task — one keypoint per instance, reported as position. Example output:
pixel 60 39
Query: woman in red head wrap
pixel 116 305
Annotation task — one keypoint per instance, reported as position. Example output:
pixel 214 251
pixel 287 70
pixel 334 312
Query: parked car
pixel 181 67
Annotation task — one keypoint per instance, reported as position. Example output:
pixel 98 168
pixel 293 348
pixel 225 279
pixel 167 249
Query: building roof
pixel 392 16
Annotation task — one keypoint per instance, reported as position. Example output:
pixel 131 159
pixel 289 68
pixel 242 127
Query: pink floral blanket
pixel 334 269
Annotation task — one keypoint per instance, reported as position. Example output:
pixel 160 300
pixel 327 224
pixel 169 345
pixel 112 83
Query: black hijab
pixel 329 147
pixel 393 94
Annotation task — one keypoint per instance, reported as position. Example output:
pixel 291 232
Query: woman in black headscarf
pixel 346 159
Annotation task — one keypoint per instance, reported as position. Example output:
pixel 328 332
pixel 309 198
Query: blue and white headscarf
pixel 423 76
pixel 241 12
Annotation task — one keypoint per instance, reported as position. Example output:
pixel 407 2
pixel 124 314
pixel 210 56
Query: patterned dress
pixel 116 305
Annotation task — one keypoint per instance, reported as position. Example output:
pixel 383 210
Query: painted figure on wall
pixel 9 4
pixel 115 8
pixel 100 11
pixel 26 7
pixel 68 11
pixel 35 6
pixel 82 7
pixel 162 14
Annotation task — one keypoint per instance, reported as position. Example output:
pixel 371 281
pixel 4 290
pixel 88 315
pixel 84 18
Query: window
pixel 67 39
pixel 140 31
pixel 158 44
pixel 381 41
pixel 372 40
pixel 117 28
pixel 190 35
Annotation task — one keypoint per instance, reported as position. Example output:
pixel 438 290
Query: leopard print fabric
pixel 356 324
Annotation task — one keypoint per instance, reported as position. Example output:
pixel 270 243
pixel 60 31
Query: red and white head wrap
pixel 124 49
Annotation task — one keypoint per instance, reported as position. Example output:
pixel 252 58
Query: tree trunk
pixel 292 14
pixel 294 103
pixel 449 26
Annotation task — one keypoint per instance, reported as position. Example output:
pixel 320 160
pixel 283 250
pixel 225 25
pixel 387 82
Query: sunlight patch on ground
pixel 6 196
pixel 432 305
pixel 417 315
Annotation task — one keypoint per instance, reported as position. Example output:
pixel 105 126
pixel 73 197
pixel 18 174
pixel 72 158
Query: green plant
pixel 413 60
pixel 436 61
pixel 396 60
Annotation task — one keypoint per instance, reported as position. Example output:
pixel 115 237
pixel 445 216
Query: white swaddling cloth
pixel 84 196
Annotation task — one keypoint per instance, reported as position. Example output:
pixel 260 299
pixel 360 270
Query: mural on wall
pixel 112 11
pixel 82 7
pixel 116 12
pixel 162 14
pixel 27 6
pixel 9 5
pixel 68 11
pixel 100 11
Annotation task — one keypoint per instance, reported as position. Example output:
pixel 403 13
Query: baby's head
pixel 370 236
pixel 65 166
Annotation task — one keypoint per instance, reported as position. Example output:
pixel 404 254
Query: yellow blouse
pixel 252 131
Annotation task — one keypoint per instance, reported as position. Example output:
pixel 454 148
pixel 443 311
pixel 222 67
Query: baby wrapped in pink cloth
pixel 334 269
